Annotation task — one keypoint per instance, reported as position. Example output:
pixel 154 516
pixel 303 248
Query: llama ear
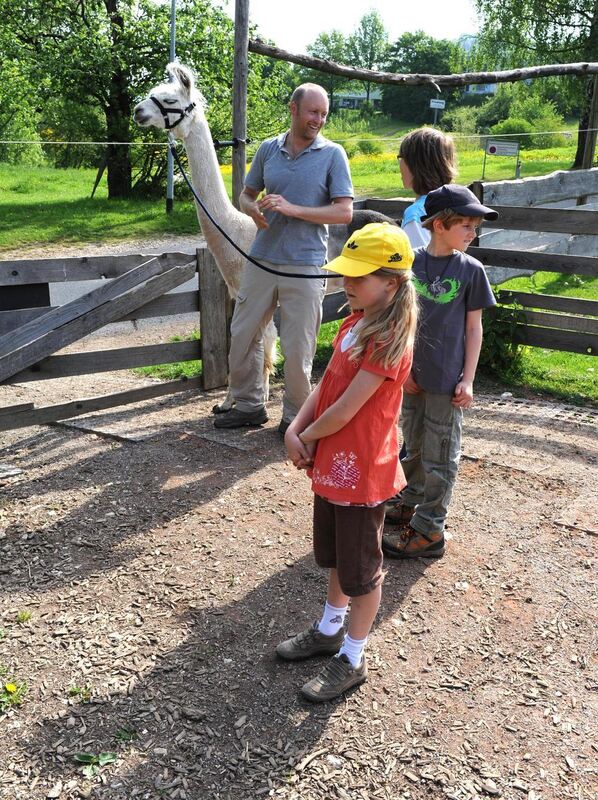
pixel 182 74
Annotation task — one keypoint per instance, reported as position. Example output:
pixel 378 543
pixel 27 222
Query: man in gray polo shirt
pixel 307 186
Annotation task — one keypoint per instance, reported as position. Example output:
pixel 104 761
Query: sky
pixel 293 26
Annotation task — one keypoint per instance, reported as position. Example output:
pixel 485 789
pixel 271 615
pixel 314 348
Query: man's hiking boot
pixel 410 543
pixel 397 513
pixel 241 419
pixel 337 677
pixel 310 643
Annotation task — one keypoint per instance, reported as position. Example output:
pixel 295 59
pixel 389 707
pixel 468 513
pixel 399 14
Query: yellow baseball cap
pixel 378 245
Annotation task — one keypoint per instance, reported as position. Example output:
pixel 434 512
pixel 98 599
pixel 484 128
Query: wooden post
pixel 477 187
pixel 214 321
pixel 240 96
pixel 590 145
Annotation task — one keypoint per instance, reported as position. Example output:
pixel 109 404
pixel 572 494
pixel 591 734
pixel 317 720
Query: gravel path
pixel 163 244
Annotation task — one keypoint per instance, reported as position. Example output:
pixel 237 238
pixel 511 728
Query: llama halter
pixel 182 112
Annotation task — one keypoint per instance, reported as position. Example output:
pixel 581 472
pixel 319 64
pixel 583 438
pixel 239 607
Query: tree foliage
pixel 417 53
pixel 367 47
pixel 91 61
pixel 522 32
pixel 331 46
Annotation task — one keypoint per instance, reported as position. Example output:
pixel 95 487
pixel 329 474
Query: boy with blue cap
pixel 453 290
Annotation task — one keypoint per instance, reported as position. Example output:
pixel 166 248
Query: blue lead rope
pixel 175 155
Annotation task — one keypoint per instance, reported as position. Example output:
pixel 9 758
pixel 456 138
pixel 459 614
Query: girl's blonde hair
pixel 393 330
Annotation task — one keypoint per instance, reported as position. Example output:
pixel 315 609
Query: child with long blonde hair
pixel 345 435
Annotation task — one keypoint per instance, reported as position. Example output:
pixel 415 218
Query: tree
pixel 518 32
pixel 333 47
pixel 367 47
pixel 17 117
pixel 416 53
pixel 97 57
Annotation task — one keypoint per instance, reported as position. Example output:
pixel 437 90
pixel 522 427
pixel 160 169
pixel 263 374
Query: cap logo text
pixel 395 257
pixel 352 246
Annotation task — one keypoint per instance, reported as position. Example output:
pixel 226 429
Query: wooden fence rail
pixel 138 287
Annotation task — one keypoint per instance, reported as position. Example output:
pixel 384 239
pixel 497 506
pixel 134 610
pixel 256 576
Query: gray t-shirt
pixel 447 287
pixel 318 175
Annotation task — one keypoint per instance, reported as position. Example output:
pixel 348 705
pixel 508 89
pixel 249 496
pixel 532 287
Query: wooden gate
pixel 133 287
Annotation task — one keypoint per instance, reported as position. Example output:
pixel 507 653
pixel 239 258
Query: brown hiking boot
pixel 310 643
pixel 337 677
pixel 410 543
pixel 397 513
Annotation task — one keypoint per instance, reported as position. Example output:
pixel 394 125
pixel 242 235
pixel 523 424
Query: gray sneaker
pixel 337 676
pixel 310 643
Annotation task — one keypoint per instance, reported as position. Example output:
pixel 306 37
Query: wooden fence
pixel 138 287
pixel 558 323
pixel 133 287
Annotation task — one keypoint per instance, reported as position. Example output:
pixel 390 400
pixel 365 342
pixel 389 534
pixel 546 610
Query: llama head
pixel 172 104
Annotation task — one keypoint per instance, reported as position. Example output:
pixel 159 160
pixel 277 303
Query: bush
pixel 349 146
pixel 551 138
pixel 496 109
pixel 544 118
pixel 368 145
pixel 500 356
pixel 346 120
pixel 512 127
pixel 463 122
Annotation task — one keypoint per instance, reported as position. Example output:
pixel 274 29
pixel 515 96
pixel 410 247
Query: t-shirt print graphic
pixel 344 472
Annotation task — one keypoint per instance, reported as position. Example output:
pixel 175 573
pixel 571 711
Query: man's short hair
pixel 302 90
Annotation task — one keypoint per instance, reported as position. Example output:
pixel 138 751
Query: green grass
pixel 567 376
pixel 40 205
pixel 378 176
pixel 179 369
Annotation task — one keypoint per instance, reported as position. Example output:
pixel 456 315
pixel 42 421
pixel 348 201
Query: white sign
pixel 437 103
pixel 497 147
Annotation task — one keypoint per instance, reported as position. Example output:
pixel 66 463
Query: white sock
pixel 332 620
pixel 353 649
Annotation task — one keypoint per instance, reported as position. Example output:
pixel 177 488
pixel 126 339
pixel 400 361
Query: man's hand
pixel 463 396
pixel 253 210
pixel 249 205
pixel 410 386
pixel 276 202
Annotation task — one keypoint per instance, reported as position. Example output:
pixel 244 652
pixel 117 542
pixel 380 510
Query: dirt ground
pixel 148 570
pixel 149 565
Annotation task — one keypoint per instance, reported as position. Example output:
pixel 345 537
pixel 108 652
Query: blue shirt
pixel 318 175
pixel 411 223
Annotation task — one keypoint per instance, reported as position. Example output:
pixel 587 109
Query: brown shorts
pixel 349 538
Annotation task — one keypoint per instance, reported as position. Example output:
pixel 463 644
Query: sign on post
pixel 436 104
pixel 498 147
pixel 502 147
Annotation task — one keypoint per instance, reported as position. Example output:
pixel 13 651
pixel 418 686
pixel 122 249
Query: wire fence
pixel 347 137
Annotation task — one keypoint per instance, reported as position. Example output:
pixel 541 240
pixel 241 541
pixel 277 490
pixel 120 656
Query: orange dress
pixel 360 463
